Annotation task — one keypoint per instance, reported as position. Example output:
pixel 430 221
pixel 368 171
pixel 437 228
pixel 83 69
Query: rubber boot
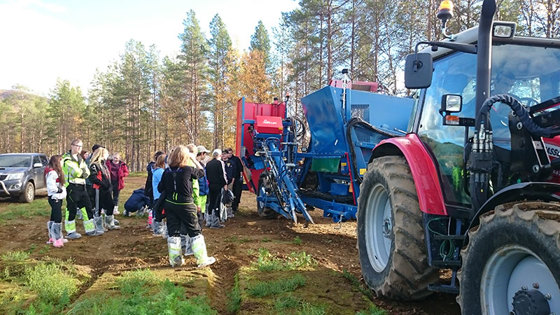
pixel 158 228
pixel 116 210
pixel 57 235
pixel 199 249
pixel 71 230
pixel 49 228
pixel 98 221
pixel 164 233
pixel 208 219
pixel 174 247
pixel 90 228
pixel 229 212
pixel 186 245
pixel 110 221
pixel 215 222
pixel 79 215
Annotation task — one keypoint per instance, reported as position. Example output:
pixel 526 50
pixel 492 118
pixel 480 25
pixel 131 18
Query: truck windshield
pixel 15 161
pixel 531 74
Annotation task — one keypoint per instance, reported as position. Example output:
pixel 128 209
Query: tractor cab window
pixel 453 74
pixel 531 74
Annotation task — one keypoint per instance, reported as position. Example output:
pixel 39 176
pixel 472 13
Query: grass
pixel 287 303
pixel 37 287
pixel 137 174
pixel 373 310
pixel 356 283
pixel 297 241
pixel 268 288
pixel 13 211
pixel 284 303
pixel 50 282
pixel 16 256
pixel 141 292
pixel 234 297
pixel 295 261
pixel 310 309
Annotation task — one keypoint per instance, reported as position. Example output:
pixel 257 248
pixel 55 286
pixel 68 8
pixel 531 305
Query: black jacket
pixel 237 167
pixel 176 183
pixel 215 174
pixel 100 176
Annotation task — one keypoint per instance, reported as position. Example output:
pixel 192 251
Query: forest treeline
pixel 145 102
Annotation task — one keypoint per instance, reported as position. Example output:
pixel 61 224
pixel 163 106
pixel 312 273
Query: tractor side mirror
pixel 418 70
pixel 451 103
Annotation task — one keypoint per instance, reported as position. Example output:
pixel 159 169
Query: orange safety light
pixel 445 11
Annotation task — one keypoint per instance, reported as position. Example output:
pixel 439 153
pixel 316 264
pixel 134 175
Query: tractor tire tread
pixel 543 217
pixel 409 274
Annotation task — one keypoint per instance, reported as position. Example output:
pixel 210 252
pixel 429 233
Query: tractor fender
pixel 528 191
pixel 422 167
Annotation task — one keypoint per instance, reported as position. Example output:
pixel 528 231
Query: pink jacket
pixel 120 170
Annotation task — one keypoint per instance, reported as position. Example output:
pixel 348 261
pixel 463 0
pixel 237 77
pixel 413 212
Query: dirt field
pixel 332 246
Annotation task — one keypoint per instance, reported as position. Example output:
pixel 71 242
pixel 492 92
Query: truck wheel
pixel 390 232
pixel 28 193
pixel 265 190
pixel 513 258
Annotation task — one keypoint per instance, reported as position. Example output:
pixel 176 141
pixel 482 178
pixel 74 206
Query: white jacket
pixel 53 186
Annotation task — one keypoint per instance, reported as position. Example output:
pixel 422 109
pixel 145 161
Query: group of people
pixel 187 189
pixel 90 184
pixel 185 192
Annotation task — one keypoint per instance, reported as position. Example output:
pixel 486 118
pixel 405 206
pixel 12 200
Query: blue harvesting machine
pixel 294 165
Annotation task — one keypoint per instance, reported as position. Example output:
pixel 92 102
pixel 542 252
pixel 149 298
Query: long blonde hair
pixel 99 154
pixel 179 156
pixel 160 161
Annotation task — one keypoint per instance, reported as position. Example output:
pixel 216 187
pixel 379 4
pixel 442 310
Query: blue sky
pixel 44 40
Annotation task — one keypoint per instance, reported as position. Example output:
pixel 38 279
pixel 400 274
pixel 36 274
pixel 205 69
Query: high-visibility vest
pixel 75 172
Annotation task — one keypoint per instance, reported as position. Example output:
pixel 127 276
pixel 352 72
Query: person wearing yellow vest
pixel 75 173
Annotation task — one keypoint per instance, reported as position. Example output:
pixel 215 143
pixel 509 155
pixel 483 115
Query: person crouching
pixel 176 186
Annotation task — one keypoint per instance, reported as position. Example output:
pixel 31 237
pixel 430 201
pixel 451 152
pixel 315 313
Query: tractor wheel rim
pixel 513 268
pixel 379 228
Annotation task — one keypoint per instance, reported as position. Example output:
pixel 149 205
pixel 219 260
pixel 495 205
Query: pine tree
pixel 220 60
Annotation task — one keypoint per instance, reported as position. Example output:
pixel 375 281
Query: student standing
pixel 157 214
pixel 56 192
pixel 75 173
pixel 118 171
pixel 237 178
pixel 216 180
pixel 100 177
pixel 176 184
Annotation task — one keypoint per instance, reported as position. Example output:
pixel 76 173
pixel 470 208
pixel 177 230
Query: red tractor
pixel 471 188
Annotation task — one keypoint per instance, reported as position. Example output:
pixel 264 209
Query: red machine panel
pixel 268 124
pixel 247 117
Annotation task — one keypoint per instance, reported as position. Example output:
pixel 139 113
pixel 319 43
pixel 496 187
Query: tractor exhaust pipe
pixel 484 53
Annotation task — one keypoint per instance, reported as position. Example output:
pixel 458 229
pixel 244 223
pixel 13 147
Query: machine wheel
pixel 28 193
pixel 513 257
pixel 390 232
pixel 264 189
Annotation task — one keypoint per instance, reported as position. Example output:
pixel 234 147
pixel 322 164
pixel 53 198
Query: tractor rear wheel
pixel 265 190
pixel 513 258
pixel 390 232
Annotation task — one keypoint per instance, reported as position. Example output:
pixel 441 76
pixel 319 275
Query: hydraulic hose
pixel 520 111
pixel 481 157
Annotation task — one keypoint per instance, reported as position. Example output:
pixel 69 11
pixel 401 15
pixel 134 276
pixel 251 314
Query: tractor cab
pixel 528 70
pixel 472 188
